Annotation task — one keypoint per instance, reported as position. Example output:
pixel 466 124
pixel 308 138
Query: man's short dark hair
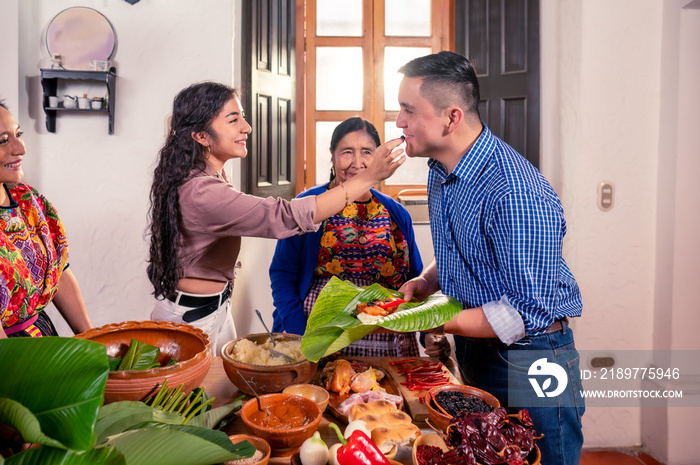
pixel 447 77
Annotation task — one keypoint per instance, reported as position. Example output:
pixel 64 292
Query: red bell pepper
pixel 358 449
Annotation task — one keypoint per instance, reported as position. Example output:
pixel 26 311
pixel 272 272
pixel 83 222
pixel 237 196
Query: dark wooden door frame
pixel 510 99
pixel 268 96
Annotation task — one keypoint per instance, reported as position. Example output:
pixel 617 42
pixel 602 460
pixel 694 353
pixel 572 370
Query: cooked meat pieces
pixel 378 307
pixel 338 376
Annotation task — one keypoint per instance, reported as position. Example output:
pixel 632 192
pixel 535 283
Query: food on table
pixel 425 454
pixel 370 311
pixel 357 424
pixel 357 449
pixel 454 402
pixel 337 376
pixel 256 457
pixel 422 377
pixel 140 356
pixel 333 454
pixel 333 323
pixel 247 351
pixel 314 451
pixel 342 376
pixel 390 427
pixel 375 408
pixel 491 438
pixel 287 414
pixel 369 396
pixel 367 380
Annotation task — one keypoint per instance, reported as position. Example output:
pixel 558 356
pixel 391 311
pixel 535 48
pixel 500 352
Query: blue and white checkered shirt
pixel 497 228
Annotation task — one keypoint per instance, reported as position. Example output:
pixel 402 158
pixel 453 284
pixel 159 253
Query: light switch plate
pixel 606 195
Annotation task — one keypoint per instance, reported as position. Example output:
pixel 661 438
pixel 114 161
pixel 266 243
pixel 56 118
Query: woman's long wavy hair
pixel 194 108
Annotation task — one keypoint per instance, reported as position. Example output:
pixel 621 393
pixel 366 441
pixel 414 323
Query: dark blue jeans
pixel 507 371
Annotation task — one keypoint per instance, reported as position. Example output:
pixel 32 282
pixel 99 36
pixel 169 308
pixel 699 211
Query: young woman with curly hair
pixel 198 217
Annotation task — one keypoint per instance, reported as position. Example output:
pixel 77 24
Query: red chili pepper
pixel 409 369
pixel 401 362
pixel 391 303
pixel 358 449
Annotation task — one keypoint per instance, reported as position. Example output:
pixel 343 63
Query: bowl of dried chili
pixel 427 447
pixel 444 402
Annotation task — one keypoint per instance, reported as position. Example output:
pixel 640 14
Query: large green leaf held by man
pixel 332 324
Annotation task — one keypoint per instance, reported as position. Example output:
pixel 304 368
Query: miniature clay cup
pixel 182 342
pixel 311 392
pixel 258 443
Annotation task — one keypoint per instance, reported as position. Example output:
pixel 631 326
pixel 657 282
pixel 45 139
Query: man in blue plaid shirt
pixel 497 228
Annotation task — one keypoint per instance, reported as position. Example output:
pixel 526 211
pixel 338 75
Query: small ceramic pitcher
pixel 69 101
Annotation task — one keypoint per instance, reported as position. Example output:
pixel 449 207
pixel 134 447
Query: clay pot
pixel 429 439
pixel 441 420
pixel 283 441
pixel 311 392
pixel 265 379
pixel 182 342
pixel 258 443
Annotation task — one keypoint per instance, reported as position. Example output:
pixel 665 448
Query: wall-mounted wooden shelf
pixel 49 82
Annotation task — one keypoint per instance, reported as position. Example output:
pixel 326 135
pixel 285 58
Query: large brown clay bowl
pixel 182 342
pixel 265 379
pixel 285 421
pixel 441 420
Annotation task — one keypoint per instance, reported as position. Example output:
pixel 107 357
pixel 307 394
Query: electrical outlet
pixel 606 195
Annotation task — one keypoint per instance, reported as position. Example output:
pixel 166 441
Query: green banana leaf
pixel 50 455
pixel 213 418
pixel 60 381
pixel 117 417
pixel 161 446
pixel 332 324
pixel 140 356
pixel 14 413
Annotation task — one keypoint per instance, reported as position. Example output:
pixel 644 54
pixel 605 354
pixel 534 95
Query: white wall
pixel 666 431
pixel 605 127
pixel 617 105
pixel 99 182
pixel 9 37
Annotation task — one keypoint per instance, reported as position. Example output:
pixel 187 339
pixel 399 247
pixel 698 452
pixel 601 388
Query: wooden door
pixel 269 96
pixel 501 38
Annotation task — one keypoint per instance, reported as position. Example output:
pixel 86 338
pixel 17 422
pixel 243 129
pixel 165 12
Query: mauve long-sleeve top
pixel 214 216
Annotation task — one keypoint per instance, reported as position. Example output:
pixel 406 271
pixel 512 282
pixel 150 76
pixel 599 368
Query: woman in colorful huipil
pixel 33 250
pixel 369 241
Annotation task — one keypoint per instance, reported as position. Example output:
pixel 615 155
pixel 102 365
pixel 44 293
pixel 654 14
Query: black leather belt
pixel 201 306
